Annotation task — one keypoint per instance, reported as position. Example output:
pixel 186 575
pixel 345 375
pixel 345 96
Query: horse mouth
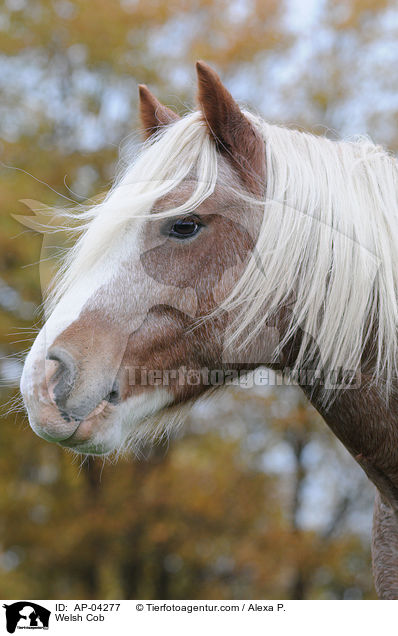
pixel 87 435
pixel 83 437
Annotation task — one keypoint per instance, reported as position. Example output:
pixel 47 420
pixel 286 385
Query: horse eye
pixel 185 228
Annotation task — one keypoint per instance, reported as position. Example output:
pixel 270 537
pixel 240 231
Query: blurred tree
pixel 204 520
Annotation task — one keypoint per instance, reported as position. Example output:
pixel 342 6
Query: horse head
pixel 137 325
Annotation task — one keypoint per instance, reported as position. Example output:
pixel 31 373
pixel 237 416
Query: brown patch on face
pixel 200 263
pixel 166 352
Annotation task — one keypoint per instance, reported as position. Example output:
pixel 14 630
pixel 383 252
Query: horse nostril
pixel 114 395
pixel 64 376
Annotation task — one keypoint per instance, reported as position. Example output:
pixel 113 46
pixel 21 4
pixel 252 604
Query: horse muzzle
pixel 61 408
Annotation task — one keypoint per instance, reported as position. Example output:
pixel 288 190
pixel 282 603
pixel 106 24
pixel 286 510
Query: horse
pixel 228 243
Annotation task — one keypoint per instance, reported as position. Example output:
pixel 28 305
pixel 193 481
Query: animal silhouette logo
pixel 26 615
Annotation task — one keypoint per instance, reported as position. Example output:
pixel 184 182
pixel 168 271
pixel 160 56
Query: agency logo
pixel 26 615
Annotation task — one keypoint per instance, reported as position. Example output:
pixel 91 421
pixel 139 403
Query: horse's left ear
pixel 234 135
pixel 154 115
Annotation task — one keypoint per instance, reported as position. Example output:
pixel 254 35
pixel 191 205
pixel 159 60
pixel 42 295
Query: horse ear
pixel 234 135
pixel 153 114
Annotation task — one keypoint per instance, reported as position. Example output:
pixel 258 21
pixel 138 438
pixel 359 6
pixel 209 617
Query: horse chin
pixel 87 446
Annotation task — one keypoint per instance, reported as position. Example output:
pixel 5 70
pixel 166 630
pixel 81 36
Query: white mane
pixel 328 242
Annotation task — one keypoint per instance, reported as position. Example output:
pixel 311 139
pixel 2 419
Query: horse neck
pixel 368 427
pixel 362 419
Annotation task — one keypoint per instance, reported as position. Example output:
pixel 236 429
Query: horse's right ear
pixel 153 114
